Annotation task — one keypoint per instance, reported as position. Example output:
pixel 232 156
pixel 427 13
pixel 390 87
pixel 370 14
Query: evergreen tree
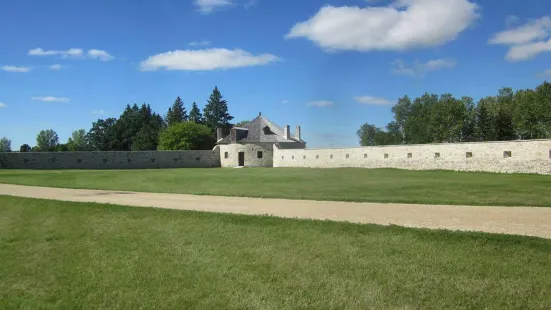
pixel 216 113
pixel 483 123
pixel 195 114
pixel 177 113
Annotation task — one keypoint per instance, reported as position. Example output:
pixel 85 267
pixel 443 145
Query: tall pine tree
pixel 216 113
pixel 195 114
pixel 177 113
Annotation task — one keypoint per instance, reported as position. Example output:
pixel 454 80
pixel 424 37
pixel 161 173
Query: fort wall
pixel 111 160
pixel 532 156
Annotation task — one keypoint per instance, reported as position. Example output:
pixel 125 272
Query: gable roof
pixel 260 130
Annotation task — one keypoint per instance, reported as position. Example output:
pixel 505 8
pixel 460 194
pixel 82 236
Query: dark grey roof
pixel 254 132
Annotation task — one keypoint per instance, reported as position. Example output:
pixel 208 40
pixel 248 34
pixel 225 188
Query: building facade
pixel 253 144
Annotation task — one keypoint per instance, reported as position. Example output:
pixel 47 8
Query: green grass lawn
pixel 346 184
pixel 81 255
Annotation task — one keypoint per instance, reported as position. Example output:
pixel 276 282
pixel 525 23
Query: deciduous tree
pixel 186 136
pixel 47 140
pixel 5 145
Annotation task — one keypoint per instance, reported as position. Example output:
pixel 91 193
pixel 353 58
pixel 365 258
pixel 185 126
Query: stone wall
pixel 229 154
pixel 111 160
pixel 531 156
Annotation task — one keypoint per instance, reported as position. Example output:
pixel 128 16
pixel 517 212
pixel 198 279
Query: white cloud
pixel 533 30
pixel 15 69
pixel 70 53
pixel 55 67
pixel 546 73
pixel 511 20
pixel 321 103
pixel 199 43
pixel 208 6
pixel 51 99
pixel 372 100
pixel 421 69
pixel 99 54
pixel 3 105
pixel 73 53
pixel 402 25
pixel 98 112
pixel 206 59
pixel 525 41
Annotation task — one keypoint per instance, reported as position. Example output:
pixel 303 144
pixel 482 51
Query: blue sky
pixel 327 65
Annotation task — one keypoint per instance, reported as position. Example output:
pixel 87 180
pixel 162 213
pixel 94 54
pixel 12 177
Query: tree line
pixel 524 114
pixel 140 129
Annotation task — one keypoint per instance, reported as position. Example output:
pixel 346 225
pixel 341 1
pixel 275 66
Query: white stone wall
pixel 526 157
pixel 251 154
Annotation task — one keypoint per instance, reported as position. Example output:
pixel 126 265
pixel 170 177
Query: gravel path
pixel 508 220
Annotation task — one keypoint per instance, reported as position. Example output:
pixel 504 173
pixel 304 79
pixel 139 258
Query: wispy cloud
pixel 73 53
pixel 525 41
pixel 372 100
pixel 321 103
pixel 421 69
pixel 99 54
pixel 98 112
pixel 15 69
pixel 205 60
pixel 51 99
pixel 55 67
pixel 3 105
pixel 208 6
pixel 199 43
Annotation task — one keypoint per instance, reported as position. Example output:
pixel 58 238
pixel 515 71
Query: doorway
pixel 241 159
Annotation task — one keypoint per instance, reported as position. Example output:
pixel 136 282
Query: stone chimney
pixel 286 132
pixel 218 134
pixel 297 133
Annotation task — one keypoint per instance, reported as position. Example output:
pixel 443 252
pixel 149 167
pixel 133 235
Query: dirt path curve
pixel 508 220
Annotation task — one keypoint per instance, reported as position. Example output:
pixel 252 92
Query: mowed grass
pixel 346 184
pixel 80 255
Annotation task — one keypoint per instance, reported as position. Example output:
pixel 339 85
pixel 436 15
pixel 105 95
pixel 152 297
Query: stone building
pixel 253 144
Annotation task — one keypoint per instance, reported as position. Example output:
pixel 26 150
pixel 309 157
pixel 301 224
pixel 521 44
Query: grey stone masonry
pixel 111 160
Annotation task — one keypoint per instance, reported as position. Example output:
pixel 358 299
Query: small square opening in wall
pixel 318 157
pixel 436 155
pixel 259 154
pixel 386 155
pixel 226 155
pixel 365 155
pixel 347 156
pixel 469 154
pixel 282 157
pixel 304 157
pixel 331 156
pixel 507 154
pixel 410 155
pixel 293 157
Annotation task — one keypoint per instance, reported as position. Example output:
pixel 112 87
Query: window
pixel 469 154
pixel 79 160
pixel 331 156
pixel 152 160
pixel 507 154
pixel 282 157
pixel 304 157
pixel 436 155
pixel 347 156
pixel 365 155
pixel 226 155
pixel 386 155
pixel 293 157
pixel 197 158
pixel 259 154
pixel 410 155
pixel 318 157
